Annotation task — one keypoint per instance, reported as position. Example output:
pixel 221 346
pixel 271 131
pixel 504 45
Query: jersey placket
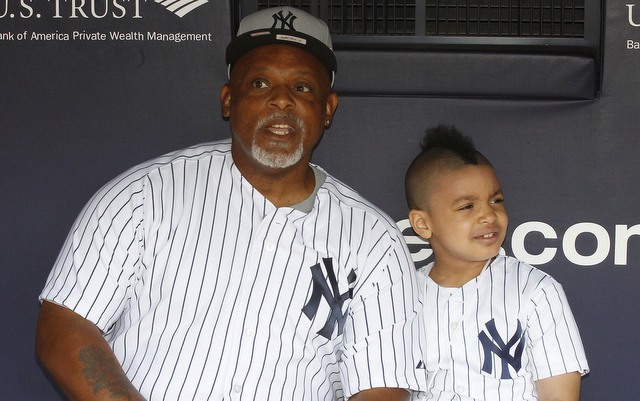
pixel 254 288
pixel 456 315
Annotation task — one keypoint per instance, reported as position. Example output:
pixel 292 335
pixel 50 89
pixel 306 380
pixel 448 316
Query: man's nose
pixel 281 98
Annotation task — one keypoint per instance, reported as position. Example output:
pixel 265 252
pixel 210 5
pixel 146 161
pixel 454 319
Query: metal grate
pixel 377 17
pixel 359 17
pixel 465 18
pixel 510 18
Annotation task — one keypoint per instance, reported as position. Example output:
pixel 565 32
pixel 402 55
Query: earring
pixel 328 122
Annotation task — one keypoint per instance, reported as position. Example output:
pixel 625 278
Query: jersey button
pixel 250 332
pixel 237 388
pixel 453 326
pixel 270 247
pixel 461 389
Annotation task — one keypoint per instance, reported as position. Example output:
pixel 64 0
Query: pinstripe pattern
pixel 507 292
pixel 198 282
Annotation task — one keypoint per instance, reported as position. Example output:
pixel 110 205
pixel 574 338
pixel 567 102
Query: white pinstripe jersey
pixel 495 336
pixel 206 291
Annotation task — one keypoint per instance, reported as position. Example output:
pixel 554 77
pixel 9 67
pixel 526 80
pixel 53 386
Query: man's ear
pixel 420 222
pixel 225 101
pixel 330 107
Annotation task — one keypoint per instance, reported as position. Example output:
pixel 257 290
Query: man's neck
pixel 282 187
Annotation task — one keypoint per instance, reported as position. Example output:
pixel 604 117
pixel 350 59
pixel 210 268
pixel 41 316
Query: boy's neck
pixel 455 275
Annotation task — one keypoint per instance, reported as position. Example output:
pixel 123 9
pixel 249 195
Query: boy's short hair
pixel 444 148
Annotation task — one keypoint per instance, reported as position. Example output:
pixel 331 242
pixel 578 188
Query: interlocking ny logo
pixel 497 345
pixel 331 294
pixel 284 22
pixel 181 7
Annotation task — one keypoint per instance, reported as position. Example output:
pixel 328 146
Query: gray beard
pixel 276 159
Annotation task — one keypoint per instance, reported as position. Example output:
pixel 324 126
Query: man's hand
pixel 381 394
pixel 564 387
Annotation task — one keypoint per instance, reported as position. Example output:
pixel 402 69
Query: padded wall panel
pixel 467 74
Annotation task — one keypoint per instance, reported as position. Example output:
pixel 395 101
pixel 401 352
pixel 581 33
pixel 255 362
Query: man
pixel 237 270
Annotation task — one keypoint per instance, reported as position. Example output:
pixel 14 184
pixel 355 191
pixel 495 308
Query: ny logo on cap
pixel 282 21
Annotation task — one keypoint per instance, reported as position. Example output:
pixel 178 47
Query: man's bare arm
pixel 564 387
pixel 381 394
pixel 78 358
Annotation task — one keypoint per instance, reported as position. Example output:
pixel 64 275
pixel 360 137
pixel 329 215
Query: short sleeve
pixel 93 272
pixel 556 346
pixel 383 331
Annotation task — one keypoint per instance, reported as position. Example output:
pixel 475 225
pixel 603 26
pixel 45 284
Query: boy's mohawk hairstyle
pixel 449 138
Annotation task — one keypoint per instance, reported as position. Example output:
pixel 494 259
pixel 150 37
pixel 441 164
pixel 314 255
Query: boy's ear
pixel 419 220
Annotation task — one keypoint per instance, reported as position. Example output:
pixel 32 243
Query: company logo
pixel 89 9
pixel 331 294
pixel 633 16
pixel 181 7
pixel 282 22
pixel 493 343
pixel 538 243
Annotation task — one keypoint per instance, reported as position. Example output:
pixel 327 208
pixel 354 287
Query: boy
pixel 496 328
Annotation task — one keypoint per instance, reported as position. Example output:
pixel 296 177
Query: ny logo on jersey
pixel 493 343
pixel 330 292
pixel 285 22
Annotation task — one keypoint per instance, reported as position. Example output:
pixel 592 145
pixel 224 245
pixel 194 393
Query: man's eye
pixel 260 84
pixel 498 200
pixel 303 88
pixel 466 207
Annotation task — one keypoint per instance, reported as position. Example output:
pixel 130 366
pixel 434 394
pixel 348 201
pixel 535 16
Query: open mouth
pixel 280 129
pixel 490 235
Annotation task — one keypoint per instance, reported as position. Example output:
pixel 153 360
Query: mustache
pixel 294 120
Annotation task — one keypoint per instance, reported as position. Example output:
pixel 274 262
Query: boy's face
pixel 464 220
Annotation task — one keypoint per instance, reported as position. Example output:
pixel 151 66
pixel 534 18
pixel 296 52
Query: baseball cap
pixel 283 25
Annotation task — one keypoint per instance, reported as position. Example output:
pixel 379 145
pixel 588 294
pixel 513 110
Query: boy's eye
pixel 466 207
pixel 498 201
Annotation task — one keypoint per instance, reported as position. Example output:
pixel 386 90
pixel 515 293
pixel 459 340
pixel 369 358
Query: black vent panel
pixel 510 18
pixel 384 18
pixel 525 49
pixel 466 18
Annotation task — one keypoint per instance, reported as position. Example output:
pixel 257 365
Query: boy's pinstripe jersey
pixel 495 336
pixel 206 291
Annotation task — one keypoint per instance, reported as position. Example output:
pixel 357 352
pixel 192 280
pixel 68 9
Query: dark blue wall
pixel 73 114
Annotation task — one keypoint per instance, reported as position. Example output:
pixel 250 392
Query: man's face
pixel 278 100
pixel 466 216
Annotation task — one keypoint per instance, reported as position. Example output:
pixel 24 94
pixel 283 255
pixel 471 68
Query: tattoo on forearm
pixel 103 373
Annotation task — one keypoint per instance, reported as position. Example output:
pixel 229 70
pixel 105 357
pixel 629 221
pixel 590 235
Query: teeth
pixel 280 129
pixel 487 235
